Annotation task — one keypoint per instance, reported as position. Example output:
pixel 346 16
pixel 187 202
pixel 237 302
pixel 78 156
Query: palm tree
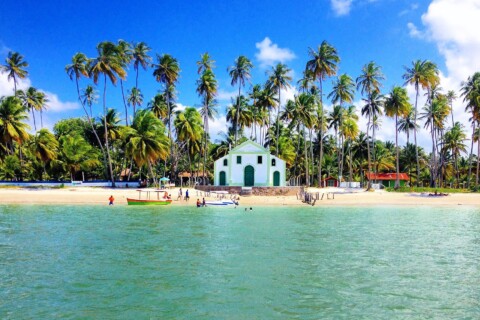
pixel 32 100
pixel 205 63
pixel 77 69
pixel 349 131
pixel 110 65
pixel 126 55
pixel 14 67
pixel 454 141
pixel 135 98
pixel 406 124
pixel 451 96
pixel 471 95
pixel 167 72
pixel 434 114
pixel 76 153
pixel 255 108
pixel 207 89
pixel 343 91
pixel 159 107
pixel 323 64
pixel 369 83
pixel 302 116
pixel 45 147
pixel 140 58
pixel 278 79
pixel 266 102
pixel 188 125
pixel 12 122
pixel 239 114
pixel 421 74
pixel 146 140
pixel 397 104
pixel 239 72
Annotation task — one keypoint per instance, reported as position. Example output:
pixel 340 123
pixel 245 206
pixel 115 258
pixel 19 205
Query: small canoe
pixel 138 202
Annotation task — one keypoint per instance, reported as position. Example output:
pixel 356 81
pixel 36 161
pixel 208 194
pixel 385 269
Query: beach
pixel 342 197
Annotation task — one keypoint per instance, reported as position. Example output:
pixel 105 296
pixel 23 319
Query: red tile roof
pixel 387 176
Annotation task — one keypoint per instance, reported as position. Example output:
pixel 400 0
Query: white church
pixel 249 165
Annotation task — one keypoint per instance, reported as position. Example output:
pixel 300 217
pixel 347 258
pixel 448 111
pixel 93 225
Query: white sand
pixel 343 197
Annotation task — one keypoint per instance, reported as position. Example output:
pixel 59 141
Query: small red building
pixel 330 182
pixel 388 179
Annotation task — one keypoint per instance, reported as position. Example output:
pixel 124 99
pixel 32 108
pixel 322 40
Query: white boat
pixel 220 202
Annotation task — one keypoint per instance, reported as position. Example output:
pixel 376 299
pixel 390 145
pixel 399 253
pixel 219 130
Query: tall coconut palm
pixel 77 69
pixel 110 65
pixel 207 89
pixel 14 67
pixel 422 74
pixel 278 80
pixel 239 114
pixel 434 114
pixel 135 98
pixel 125 54
pixel 32 100
pixel 159 107
pixel 406 125
pixel 188 125
pixel 302 117
pixel 454 141
pixel 323 63
pixel 397 105
pixel 167 72
pixel 266 102
pixel 147 142
pixel 343 91
pixel 239 73
pixel 255 107
pixel 140 58
pixel 12 123
pixel 369 83
pixel 471 95
pixel 451 96
pixel 349 130
pixel 205 63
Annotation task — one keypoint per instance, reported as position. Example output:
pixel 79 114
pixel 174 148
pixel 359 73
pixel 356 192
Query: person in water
pixel 204 203
pixel 111 199
pixel 198 203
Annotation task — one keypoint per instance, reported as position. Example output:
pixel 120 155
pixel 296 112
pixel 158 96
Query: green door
pixel 222 178
pixel 248 176
pixel 276 179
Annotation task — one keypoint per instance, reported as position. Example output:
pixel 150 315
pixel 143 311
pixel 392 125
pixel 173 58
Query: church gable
pixel 250 147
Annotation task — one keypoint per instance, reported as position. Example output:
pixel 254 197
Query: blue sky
pixel 391 32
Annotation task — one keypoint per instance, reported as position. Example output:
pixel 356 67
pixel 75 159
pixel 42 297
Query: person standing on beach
pixel 111 199
pixel 187 197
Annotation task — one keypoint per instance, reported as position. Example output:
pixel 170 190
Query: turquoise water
pixel 98 262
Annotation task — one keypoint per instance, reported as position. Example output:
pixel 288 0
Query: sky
pixel 393 33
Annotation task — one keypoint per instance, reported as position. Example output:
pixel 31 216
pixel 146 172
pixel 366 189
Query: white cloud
pixel 55 105
pixel 269 53
pixel 6 86
pixel 413 31
pixel 341 7
pixel 453 27
pixel 223 95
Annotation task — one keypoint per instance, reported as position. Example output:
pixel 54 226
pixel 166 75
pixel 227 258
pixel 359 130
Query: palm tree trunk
pixel 206 143
pixel 471 154
pixel 350 162
pixel 91 124
pixel 397 180
pixel 150 170
pixel 106 132
pixel 320 137
pixel 307 182
pixel 124 103
pixel 34 122
pixel 311 156
pixel 415 135
pixel 278 120
pixel 369 186
pixel 237 114
pixel 434 159
pixel 478 163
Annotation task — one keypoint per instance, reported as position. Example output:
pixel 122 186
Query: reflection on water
pixel 225 263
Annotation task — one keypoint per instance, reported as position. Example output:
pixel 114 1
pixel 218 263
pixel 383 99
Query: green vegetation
pixel 150 137
pixel 428 190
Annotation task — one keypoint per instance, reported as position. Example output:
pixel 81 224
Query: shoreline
pixel 343 198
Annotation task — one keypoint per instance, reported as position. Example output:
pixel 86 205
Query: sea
pixel 169 262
